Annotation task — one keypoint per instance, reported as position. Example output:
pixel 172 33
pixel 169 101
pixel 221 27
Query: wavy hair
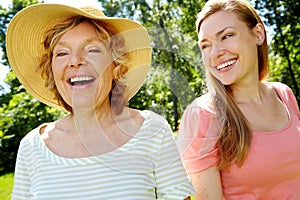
pixel 114 42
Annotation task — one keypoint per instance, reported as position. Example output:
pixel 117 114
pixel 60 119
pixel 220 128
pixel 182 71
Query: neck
pixel 87 117
pixel 92 111
pixel 87 120
pixel 250 93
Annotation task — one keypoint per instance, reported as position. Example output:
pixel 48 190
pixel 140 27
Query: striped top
pixel 147 167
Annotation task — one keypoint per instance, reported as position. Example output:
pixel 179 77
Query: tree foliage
pixel 284 18
pixel 19 111
pixel 176 76
pixel 174 79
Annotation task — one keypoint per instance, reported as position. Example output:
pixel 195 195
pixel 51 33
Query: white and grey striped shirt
pixel 147 167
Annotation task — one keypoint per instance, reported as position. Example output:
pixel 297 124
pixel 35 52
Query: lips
pixel 80 80
pixel 226 64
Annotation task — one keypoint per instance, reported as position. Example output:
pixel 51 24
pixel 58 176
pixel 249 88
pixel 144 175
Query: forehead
pixel 84 31
pixel 81 29
pixel 217 22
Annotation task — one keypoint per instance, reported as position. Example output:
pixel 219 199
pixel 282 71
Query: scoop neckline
pixel 49 154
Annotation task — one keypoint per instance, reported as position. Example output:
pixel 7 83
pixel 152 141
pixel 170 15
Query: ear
pixel 259 32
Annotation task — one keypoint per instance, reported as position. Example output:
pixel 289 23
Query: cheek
pixel 100 65
pixel 208 67
pixel 205 60
pixel 57 69
pixel 55 73
pixel 58 77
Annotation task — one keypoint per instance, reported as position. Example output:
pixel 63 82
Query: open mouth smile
pixel 226 64
pixel 80 80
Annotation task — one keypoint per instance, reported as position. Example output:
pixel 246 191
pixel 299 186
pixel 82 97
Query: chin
pixel 225 82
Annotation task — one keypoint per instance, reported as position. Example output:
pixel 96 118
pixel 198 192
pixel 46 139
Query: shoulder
pixel 277 85
pixel 286 95
pixel 280 87
pixel 31 140
pixel 199 119
pixel 31 136
pixel 154 118
pixel 284 91
pixel 156 127
pixel 202 104
pixel 201 108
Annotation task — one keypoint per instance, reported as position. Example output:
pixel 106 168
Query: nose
pixel 77 59
pixel 217 51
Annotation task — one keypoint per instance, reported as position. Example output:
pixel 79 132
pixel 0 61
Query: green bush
pixel 6 185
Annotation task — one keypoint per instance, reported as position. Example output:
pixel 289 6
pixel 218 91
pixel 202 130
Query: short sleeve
pixel 171 177
pixel 197 138
pixel 293 101
pixel 287 95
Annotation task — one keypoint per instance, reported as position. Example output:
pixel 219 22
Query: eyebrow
pixel 88 40
pixel 219 32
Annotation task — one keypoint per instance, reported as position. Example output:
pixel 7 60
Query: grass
pixel 6 184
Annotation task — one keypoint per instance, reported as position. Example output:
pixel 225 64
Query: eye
pixel 204 46
pixel 61 53
pixel 94 50
pixel 226 36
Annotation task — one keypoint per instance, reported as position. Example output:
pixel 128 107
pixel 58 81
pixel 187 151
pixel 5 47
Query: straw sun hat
pixel 24 44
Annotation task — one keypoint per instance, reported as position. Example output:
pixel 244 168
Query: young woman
pixel 241 140
pixel 90 65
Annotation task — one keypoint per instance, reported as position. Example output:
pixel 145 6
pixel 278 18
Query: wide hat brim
pixel 24 44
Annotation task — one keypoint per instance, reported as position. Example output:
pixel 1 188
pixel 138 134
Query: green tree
pixel 19 111
pixel 175 77
pixel 284 19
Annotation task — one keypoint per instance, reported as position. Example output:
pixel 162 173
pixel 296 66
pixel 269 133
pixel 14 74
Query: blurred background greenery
pixel 176 76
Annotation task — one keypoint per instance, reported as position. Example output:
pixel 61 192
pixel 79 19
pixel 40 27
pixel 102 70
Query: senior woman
pixel 79 60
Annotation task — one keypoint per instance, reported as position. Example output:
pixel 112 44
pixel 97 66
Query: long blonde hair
pixel 235 135
pixel 113 42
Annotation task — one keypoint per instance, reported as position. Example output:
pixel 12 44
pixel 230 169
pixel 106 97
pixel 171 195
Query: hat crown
pixel 93 11
pixel 25 37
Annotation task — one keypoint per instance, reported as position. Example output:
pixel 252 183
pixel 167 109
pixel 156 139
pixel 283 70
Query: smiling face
pixel 229 48
pixel 82 67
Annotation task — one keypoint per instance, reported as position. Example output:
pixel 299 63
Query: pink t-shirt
pixel 272 168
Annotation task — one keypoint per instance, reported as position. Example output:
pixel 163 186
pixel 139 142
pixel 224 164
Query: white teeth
pixel 81 78
pixel 219 67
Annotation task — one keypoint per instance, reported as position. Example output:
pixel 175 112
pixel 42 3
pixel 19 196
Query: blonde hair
pixel 235 135
pixel 114 42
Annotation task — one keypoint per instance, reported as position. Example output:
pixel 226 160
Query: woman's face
pixel 82 67
pixel 229 48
